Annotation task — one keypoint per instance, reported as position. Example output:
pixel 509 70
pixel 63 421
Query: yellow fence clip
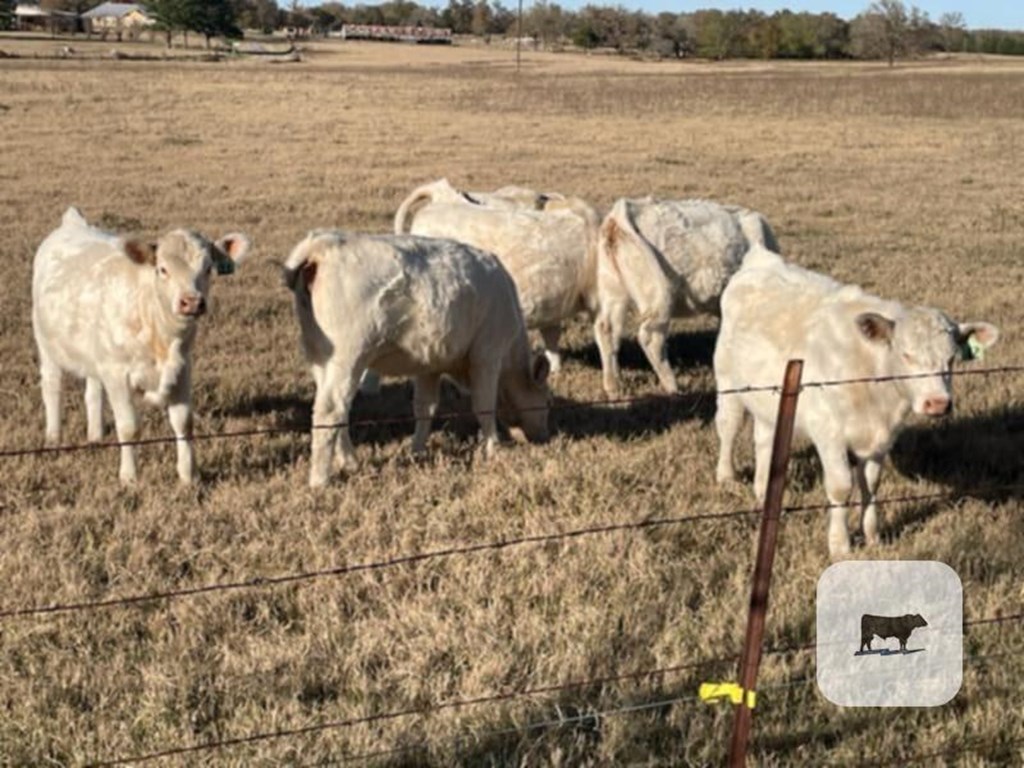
pixel 732 691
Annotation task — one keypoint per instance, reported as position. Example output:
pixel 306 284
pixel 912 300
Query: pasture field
pixel 907 181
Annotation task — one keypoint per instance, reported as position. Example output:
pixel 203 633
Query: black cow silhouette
pixel 899 627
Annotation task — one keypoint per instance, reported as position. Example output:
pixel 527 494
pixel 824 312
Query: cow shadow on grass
pixel 653 414
pixel 387 417
pixel 889 652
pixel 375 419
pixel 692 349
pixel 979 456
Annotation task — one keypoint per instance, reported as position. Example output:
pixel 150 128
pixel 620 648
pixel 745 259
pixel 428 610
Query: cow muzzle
pixel 937 406
pixel 192 306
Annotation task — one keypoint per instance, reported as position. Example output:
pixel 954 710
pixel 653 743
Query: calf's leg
pixel 729 413
pixel 608 334
pixel 869 472
pixel 94 409
pixel 652 335
pixel 764 433
pixel 838 487
pixel 50 381
pixel 179 414
pixel 426 394
pixel 484 397
pixel 125 422
pixel 336 387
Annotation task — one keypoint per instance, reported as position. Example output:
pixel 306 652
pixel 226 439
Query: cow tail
pixel 299 270
pixel 631 257
pixel 420 197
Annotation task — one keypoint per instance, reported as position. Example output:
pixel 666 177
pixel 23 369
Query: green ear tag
pixel 972 349
pixel 225 267
pixel 976 347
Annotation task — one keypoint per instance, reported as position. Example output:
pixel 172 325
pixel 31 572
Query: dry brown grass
pixel 906 181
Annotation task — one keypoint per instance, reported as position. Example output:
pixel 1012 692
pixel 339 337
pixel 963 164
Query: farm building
pixel 118 18
pixel 31 17
pixel 406 34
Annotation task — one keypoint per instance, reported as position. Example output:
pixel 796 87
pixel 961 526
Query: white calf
pixel 411 306
pixel 122 315
pixel 666 258
pixel 773 312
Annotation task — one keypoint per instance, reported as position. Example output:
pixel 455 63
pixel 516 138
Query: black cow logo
pixel 899 627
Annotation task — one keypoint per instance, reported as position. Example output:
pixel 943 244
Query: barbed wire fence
pixel 605 402
pixel 266 581
pixel 253 738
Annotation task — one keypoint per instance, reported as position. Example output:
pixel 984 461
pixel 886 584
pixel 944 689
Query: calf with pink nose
pixel 773 312
pixel 411 306
pixel 122 314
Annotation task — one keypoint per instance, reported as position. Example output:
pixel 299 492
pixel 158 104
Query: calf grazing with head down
pixel 773 312
pixel 122 314
pixel 411 306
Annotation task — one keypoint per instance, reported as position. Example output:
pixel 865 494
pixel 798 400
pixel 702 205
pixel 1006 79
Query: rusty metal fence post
pixel 751 658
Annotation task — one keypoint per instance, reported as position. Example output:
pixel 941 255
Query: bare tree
pixel 888 30
pixel 953 29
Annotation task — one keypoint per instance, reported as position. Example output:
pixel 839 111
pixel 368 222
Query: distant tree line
pixel 887 29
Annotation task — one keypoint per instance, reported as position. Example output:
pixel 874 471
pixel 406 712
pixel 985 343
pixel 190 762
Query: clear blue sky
pixel 979 14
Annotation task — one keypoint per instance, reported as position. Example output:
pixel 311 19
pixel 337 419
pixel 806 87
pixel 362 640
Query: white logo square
pixel 889 633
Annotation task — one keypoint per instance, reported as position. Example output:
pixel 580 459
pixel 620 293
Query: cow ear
pixel 875 328
pixel 230 251
pixel 974 338
pixel 540 368
pixel 143 254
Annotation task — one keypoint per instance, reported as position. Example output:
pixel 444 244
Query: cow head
pixel 922 341
pixel 182 262
pixel 523 399
pixel 917 620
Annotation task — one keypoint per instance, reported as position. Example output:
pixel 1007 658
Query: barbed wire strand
pixel 444 706
pixel 397 714
pixel 261 582
pixel 650 399
pixel 521 730
pixel 344 570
